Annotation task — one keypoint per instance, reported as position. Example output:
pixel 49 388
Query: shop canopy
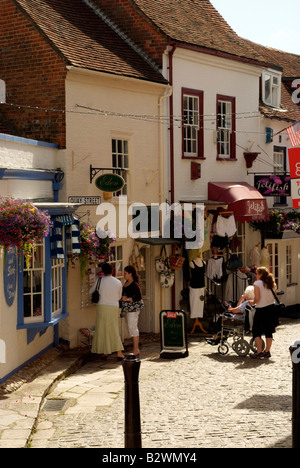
pixel 246 203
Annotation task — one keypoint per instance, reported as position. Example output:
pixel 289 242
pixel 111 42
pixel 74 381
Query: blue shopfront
pixel 33 298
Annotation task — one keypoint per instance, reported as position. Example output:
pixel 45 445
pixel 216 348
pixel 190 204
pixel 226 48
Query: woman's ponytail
pixel 267 278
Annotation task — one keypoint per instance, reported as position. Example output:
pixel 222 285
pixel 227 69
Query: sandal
pixel 256 356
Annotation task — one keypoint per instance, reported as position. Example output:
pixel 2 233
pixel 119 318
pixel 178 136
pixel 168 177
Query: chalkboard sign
pixel 173 334
pixel 10 275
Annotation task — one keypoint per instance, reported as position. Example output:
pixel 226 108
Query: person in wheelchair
pixel 237 313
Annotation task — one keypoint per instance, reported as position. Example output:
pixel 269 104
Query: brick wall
pixel 131 21
pixel 35 77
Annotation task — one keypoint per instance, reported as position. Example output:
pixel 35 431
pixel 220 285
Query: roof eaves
pixel 162 82
pixel 122 35
pixel 222 54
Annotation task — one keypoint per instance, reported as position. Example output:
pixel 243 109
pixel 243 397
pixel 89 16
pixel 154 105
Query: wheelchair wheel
pixel 223 349
pixel 242 347
pixel 253 345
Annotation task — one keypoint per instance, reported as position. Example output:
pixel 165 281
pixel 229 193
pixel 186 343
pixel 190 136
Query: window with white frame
pixel 279 168
pixel 271 88
pixel 57 266
pixel 241 244
pixel 116 260
pixel 289 265
pixel 226 127
pixel 273 250
pixel 33 286
pixel 120 161
pixel 192 111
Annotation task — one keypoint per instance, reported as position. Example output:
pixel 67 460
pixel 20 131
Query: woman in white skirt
pixel 107 337
pixel 132 304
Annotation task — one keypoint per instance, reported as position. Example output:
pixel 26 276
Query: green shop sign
pixel 110 182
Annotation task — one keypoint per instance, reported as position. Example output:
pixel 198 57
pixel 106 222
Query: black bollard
pixel 295 355
pixel 131 367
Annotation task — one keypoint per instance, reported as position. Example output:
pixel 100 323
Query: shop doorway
pixel 284 265
pixel 145 315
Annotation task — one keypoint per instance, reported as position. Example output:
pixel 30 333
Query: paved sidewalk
pixel 19 410
pixel 202 401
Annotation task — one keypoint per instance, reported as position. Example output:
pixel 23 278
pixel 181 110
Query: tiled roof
pixel 290 65
pixel 196 22
pixel 84 40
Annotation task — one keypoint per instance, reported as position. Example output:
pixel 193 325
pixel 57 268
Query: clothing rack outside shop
pixel 211 288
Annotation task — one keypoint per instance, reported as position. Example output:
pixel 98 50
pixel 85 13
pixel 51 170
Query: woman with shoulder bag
pixel 107 337
pixel 265 318
pixel 132 303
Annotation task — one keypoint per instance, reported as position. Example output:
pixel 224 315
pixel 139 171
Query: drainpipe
pixel 167 95
pixel 172 182
pixel 172 48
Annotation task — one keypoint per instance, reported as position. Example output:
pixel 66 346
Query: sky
pixel 271 23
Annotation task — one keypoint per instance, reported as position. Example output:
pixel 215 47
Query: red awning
pixel 245 201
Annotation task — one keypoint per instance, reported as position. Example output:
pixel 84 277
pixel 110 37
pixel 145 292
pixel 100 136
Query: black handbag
pixel 278 306
pixel 96 293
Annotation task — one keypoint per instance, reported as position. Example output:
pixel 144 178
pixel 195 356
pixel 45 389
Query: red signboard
pixel 294 158
pixel 171 314
pixel 295 186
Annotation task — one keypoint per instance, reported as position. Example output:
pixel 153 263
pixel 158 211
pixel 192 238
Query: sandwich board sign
pixel 173 334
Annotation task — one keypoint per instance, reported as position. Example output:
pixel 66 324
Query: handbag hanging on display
pixel 160 262
pixel 176 259
pixel 140 261
pixel 96 293
pixel 167 276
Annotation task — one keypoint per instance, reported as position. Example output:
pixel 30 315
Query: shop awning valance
pixel 72 232
pixel 244 200
pixel 153 241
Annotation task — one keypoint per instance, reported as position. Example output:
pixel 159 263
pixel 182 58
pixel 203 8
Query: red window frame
pixel 200 132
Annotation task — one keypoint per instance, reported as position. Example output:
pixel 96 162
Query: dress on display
pixel 197 290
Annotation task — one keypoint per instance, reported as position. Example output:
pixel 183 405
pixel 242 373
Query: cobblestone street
pixel 205 400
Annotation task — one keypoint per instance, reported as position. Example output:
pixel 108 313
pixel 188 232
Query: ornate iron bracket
pixel 115 170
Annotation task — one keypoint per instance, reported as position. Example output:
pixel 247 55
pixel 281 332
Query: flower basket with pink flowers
pixel 22 225
pixel 93 248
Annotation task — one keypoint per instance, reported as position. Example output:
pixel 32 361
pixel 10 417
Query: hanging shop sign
pixel 173 334
pixel 273 185
pixel 110 182
pixel 10 275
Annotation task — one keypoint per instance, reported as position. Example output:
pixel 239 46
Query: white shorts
pixel 132 319
pixel 226 226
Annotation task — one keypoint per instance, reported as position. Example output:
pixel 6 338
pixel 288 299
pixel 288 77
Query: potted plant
pixel 22 225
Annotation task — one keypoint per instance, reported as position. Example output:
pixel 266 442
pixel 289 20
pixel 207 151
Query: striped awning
pixel 71 240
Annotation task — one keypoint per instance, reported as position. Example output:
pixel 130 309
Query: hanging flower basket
pixel 22 225
pixel 93 248
pixel 280 225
